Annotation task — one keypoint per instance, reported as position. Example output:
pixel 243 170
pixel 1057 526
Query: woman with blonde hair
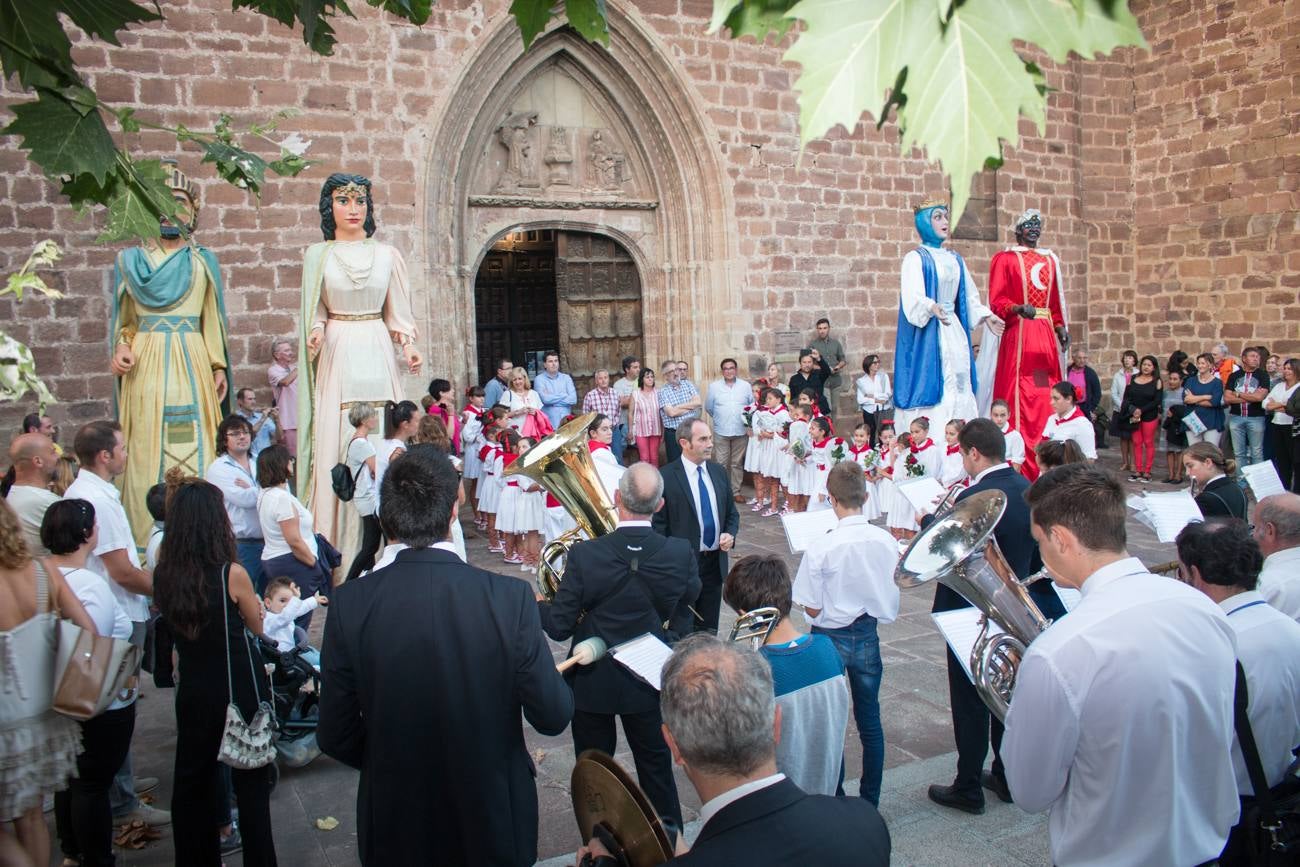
pixel 38 751
pixel 1215 491
pixel 520 399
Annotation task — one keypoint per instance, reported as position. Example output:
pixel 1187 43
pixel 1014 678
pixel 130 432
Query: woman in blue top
pixel 1204 391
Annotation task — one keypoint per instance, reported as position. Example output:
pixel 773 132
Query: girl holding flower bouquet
pixel 769 426
pixel 827 451
pixel 916 457
pixel 751 448
pixel 801 476
pixel 861 453
pixel 883 474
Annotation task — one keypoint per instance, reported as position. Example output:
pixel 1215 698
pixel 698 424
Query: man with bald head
pixel 628 582
pixel 35 462
pixel 1277 530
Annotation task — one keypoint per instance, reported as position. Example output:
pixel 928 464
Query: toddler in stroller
pixel 295 673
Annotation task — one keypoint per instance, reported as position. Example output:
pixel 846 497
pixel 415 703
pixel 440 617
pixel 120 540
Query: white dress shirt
pixel 114 534
pixel 390 552
pixel 709 810
pixel 241 502
pixel 1121 723
pixel 693 482
pixel 726 404
pixel 850 574
pixel 1268 646
pixel 1279 581
pixel 1078 428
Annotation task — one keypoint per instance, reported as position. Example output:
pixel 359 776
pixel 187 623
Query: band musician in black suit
pixel 433 665
pixel 618 587
pixel 983 454
pixel 721 723
pixel 698 507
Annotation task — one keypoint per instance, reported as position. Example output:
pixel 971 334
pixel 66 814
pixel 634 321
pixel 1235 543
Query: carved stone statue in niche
pixel 516 133
pixel 559 157
pixel 606 163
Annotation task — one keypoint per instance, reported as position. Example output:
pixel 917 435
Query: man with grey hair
pixel 1277 530
pixel 679 403
pixel 721 722
pixel 619 587
pixel 283 378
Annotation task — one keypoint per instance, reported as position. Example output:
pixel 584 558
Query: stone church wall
pixel 1168 182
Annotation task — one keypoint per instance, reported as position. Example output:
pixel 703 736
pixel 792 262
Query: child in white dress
pixel 861 453
pixel 508 504
pixel 951 470
pixel 489 491
pixel 800 473
pixel 751 447
pixel 916 457
pixel 769 423
pixel 471 440
pixel 827 451
pixel 1000 413
pixel 883 474
pixel 530 505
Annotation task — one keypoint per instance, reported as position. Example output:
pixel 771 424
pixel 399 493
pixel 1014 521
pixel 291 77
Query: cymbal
pixel 604 794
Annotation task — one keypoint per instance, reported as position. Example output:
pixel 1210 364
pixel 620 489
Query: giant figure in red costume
pixel 1025 291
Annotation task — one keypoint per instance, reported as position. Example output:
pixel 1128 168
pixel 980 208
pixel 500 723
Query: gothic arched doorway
pixel 541 289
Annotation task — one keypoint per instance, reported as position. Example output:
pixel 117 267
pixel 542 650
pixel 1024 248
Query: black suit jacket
pixel 1222 498
pixel 781 824
pixel 1013 537
pixel 678 519
pixel 429 663
pixel 668 583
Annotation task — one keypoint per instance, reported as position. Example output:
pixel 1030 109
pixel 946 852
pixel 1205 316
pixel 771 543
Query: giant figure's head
pixel 346 186
pixel 931 220
pixel 187 201
pixel 1029 228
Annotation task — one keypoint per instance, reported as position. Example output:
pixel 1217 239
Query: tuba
pixel 959 551
pixel 561 463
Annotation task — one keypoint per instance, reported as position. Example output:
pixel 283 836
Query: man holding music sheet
pixel 618 587
pixel 1121 717
pixel 845 584
pixel 983 454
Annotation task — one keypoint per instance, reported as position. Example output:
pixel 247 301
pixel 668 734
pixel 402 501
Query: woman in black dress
pixel 1142 403
pixel 208 600
pixel 1216 493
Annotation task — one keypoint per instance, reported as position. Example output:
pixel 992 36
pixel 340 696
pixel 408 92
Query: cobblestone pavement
pixel 914 708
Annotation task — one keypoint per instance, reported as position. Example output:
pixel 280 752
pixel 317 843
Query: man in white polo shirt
pixel 101 451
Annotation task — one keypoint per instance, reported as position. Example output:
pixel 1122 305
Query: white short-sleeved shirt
pixel 1281 393
pixel 102 608
pixel 114 535
pixel 361 450
pixel 1015 445
pixel 850 574
pixel 275 505
pixel 29 504
pixel 1075 427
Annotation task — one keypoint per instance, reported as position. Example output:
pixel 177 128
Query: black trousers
pixel 672 445
pixel 654 761
pixel 197 789
pixel 83 817
pixel 1283 453
pixel 371 538
pixel 708 605
pixel 972 731
pixel 872 421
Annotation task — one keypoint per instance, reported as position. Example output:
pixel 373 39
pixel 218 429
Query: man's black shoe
pixel 948 797
pixel 997 785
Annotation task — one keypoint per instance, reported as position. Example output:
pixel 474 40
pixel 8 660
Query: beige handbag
pixel 244 745
pixel 92 671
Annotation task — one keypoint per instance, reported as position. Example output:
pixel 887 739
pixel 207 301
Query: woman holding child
pixel 208 601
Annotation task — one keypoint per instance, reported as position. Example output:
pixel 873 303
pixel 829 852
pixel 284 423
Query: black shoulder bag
pixel 1270 821
pixel 344 482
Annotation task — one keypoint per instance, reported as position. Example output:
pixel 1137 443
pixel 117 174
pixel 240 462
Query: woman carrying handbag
pixel 208 601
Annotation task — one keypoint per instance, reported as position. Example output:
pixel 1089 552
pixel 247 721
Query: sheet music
pixel 803 529
pixel 1263 480
pixel 1170 512
pixel 923 492
pixel 960 628
pixel 644 656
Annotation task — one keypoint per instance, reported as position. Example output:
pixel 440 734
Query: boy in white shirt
pixel 284 604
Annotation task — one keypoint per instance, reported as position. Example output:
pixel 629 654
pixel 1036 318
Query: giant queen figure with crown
pixel 939 306
pixel 169 354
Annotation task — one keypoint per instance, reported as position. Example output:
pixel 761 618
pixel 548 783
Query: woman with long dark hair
pixel 209 604
pixel 1143 399
pixel 1118 383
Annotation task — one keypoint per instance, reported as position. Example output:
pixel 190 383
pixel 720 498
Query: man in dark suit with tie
pixel 721 723
pixel 618 587
pixel 983 454
pixel 431 663
pixel 698 508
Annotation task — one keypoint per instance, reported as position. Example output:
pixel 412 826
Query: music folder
pixel 644 656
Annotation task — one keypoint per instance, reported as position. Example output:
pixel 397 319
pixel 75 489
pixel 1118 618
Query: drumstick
pixel 584 653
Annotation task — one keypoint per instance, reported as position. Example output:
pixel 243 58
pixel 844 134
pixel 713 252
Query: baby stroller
pixel 296 711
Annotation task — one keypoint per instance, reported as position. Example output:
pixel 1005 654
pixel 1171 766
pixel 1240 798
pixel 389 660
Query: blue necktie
pixel 707 524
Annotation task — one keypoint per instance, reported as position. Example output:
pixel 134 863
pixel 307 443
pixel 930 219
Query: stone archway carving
pixel 639 164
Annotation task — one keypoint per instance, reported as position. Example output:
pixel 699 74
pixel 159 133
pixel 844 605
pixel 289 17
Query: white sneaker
pixel 151 816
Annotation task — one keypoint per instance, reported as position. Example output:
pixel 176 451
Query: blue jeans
pixel 859 650
pixel 619 443
pixel 1247 440
pixel 250 557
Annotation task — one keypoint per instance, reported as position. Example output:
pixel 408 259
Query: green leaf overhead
pixel 532 16
pixel 851 52
pixel 62 139
pixel 588 18
pixel 33 45
pixel 756 18
pixel 1082 27
pixel 137 197
pixel 104 18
